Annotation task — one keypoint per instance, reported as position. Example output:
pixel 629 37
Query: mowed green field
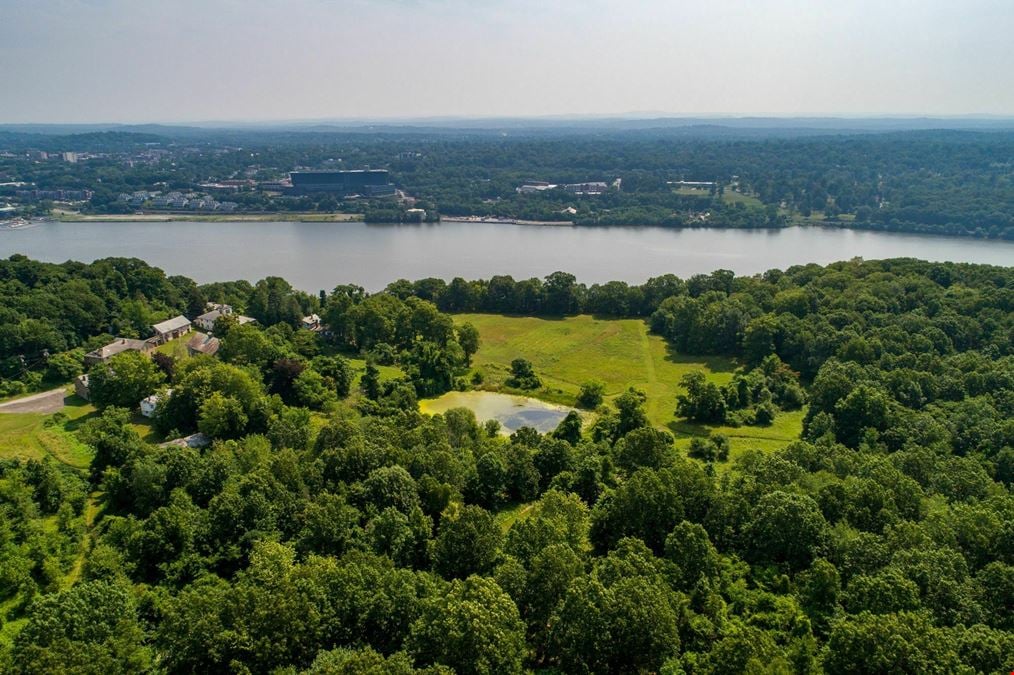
pixel 27 436
pixel 621 353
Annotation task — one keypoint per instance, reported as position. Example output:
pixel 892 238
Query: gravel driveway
pixel 47 402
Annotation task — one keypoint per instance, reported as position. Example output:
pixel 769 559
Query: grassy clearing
pixel 731 197
pixel 621 353
pixel 568 352
pixel 386 372
pixel 786 428
pixel 27 436
pixel 176 348
pixel 512 513
pixel 688 191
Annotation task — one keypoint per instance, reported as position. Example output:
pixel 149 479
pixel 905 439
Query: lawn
pixel 688 191
pixel 733 197
pixel 27 436
pixel 568 352
pixel 619 352
pixel 359 367
pixel 176 348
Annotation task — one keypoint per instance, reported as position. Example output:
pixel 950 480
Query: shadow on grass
pixel 686 428
pixel 714 363
pixel 75 424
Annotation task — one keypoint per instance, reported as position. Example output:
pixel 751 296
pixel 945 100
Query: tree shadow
pixel 686 428
pixel 713 362
pixel 78 422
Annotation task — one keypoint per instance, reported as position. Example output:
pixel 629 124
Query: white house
pixel 207 320
pixel 149 405
pixel 312 322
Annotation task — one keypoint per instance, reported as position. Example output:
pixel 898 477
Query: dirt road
pixel 46 402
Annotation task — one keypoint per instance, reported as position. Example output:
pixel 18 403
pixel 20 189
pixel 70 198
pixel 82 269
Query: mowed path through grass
pixel 621 353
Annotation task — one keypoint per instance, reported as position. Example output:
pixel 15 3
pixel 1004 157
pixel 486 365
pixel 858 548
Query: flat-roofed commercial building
pixel 362 181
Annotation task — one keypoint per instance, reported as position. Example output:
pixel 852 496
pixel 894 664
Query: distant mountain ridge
pixel 709 126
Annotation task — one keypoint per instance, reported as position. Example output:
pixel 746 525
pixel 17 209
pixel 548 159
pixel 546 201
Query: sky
pixel 247 60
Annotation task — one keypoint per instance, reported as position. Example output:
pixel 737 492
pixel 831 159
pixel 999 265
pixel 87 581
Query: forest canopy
pixel 329 526
pixel 938 182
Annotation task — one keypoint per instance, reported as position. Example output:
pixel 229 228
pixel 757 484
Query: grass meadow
pixel 620 353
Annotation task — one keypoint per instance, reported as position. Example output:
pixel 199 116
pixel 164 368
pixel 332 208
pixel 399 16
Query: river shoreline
pixel 284 217
pixel 316 255
pixel 210 218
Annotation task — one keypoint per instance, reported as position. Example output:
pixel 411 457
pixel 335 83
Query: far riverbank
pixel 69 217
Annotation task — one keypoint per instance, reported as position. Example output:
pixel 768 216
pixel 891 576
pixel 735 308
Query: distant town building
pixel 226 186
pixel 55 195
pixel 589 188
pixel 697 184
pixel 171 329
pixel 117 346
pixel 275 186
pixel 593 188
pixel 533 187
pixel 386 190
pixel 370 182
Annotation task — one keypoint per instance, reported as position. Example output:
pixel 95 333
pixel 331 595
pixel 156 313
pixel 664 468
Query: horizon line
pixel 634 116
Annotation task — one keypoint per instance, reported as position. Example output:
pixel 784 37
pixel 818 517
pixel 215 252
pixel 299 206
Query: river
pixel 314 256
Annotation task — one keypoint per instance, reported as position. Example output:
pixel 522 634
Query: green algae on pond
pixel 512 412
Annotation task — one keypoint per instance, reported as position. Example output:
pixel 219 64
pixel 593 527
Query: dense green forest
pixel 332 528
pixel 945 182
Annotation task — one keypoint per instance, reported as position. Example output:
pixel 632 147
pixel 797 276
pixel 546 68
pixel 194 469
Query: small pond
pixel 512 412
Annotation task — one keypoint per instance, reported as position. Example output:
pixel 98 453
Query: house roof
pixel 204 344
pixel 197 440
pixel 156 397
pixel 210 316
pixel 172 324
pixel 116 346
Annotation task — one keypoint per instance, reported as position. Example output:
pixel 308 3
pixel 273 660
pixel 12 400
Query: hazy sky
pixel 192 60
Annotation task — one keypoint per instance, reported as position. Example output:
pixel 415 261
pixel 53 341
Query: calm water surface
pixel 512 412
pixel 314 256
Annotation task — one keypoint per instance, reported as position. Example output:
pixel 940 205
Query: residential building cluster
pixel 215 311
pixel 176 200
pixel 54 195
pixel 692 184
pixel 197 344
pixel 588 188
